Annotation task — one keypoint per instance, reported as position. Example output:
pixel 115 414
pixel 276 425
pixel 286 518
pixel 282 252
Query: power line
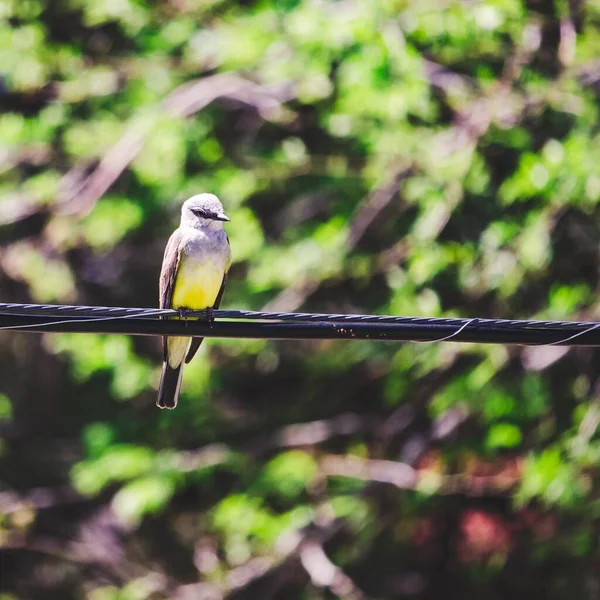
pixel 267 325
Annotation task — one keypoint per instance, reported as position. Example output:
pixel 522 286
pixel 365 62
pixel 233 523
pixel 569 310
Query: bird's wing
pixel 168 274
pixel 198 340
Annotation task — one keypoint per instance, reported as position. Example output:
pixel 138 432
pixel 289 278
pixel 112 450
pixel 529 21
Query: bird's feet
pixel 210 316
pixel 183 314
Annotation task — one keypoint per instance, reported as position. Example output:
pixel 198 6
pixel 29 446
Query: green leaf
pixel 503 435
pixel 289 473
pixel 141 497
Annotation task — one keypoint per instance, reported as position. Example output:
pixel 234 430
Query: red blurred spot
pixel 483 534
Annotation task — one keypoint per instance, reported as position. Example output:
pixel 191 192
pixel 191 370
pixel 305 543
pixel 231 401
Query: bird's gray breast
pixel 202 245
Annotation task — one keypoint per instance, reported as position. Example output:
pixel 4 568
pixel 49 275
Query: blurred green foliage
pixel 375 156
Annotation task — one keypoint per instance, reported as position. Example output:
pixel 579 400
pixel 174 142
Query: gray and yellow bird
pixel 193 275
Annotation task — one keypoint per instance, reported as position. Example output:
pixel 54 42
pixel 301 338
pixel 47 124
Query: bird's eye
pixel 198 212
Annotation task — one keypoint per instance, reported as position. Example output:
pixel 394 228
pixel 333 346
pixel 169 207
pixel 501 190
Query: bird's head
pixel 203 210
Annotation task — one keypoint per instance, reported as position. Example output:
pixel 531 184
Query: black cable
pixel 61 310
pixel 254 324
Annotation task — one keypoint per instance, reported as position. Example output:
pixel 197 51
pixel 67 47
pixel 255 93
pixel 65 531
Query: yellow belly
pixel 197 284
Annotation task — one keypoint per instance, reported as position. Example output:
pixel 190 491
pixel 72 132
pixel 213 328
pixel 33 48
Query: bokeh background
pixel 375 156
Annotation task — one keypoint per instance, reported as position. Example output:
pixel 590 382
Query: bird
pixel 193 276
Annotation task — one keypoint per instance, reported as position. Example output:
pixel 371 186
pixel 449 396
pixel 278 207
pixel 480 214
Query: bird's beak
pixel 222 217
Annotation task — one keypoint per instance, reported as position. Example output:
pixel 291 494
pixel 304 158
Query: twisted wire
pixel 60 310
pixel 284 325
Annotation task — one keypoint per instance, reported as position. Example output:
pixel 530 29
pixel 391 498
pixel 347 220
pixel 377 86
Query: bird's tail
pixel 170 382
